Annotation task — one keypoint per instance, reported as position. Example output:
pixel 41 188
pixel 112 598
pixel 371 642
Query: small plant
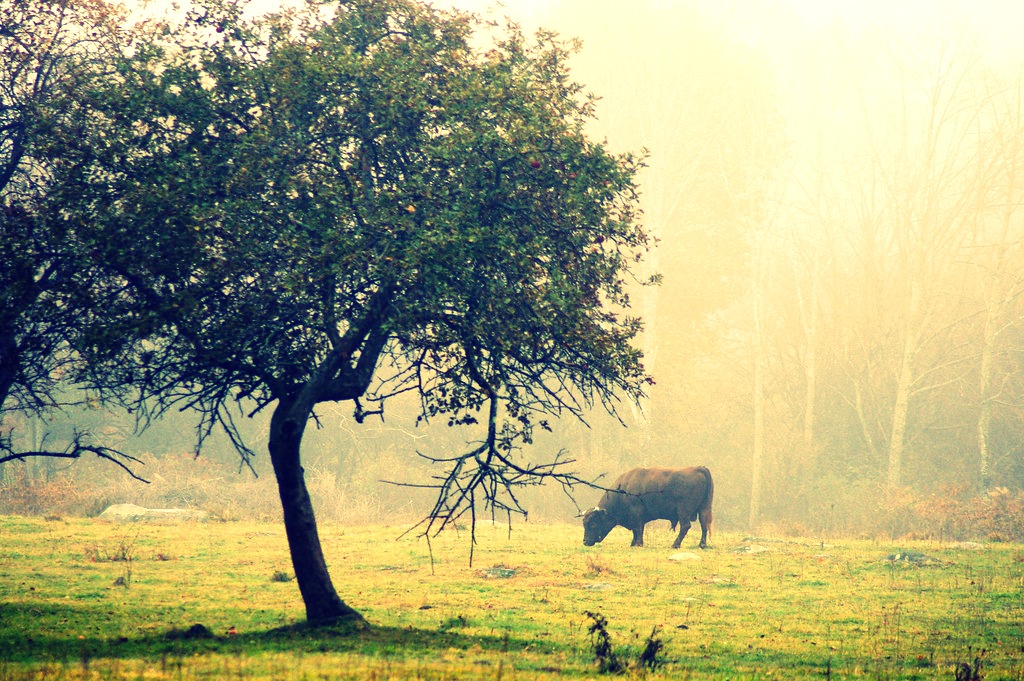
pixel 595 568
pixel 650 657
pixel 92 553
pixel 125 579
pixel 607 661
pixel 125 549
pixel 457 622
pixel 923 661
pixel 970 672
pixel 281 576
pixel 122 552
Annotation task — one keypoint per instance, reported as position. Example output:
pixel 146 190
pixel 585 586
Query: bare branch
pixel 75 449
pixel 488 474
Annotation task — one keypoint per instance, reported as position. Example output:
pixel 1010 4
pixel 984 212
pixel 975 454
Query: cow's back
pixel 665 493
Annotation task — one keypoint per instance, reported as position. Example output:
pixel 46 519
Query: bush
pixel 954 513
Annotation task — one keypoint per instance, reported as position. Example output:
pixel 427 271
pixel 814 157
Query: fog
pixel 836 190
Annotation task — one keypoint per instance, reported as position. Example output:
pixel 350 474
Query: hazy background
pixel 836 189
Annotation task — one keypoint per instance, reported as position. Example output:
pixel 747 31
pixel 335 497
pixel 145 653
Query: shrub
pixel 607 661
pixel 954 513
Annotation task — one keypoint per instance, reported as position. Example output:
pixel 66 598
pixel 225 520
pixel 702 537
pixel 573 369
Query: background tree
pixel 995 251
pixel 295 210
pixel 905 251
pixel 675 82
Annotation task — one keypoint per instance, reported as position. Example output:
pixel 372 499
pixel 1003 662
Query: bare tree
pixel 996 249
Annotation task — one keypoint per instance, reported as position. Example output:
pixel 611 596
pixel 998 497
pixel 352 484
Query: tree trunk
pixel 809 316
pixel 999 298
pixel 900 410
pixel 757 461
pixel 323 605
pixel 984 390
pixel 904 388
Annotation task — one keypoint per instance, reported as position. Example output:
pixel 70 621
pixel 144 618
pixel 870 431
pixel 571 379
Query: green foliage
pixel 49 53
pixel 292 201
pixel 344 203
pixel 352 205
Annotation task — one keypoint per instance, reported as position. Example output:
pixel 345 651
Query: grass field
pixel 86 599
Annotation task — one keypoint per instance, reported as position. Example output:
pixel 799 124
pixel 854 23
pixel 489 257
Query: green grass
pixel 87 599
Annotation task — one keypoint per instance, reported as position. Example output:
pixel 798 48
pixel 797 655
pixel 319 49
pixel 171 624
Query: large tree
pixel 348 203
pixel 49 51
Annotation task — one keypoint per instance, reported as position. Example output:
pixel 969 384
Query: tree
pixel 48 51
pixel 895 217
pixel 911 260
pixel 996 246
pixel 311 207
pixel 704 104
pixel 928 187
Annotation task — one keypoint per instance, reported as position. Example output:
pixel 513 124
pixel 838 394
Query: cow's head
pixel 596 526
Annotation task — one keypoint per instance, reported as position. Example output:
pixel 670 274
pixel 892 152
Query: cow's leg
pixel 684 527
pixel 638 535
pixel 705 526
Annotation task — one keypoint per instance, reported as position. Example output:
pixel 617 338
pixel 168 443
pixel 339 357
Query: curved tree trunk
pixel 323 605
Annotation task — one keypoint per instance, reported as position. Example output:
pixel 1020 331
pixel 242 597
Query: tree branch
pixel 75 449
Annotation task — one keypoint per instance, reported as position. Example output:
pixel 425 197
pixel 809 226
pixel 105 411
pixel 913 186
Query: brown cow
pixel 679 495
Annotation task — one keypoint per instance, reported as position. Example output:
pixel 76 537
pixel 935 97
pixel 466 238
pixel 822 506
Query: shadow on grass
pixel 374 641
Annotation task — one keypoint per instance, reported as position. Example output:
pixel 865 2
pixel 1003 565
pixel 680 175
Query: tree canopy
pixel 48 53
pixel 349 202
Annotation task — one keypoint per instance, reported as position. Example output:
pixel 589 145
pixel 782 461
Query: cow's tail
pixel 705 508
